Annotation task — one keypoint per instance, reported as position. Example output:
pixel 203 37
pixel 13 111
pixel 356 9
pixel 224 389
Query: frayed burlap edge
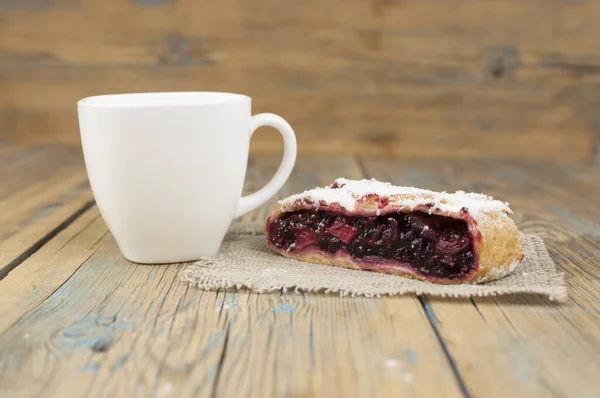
pixel 245 262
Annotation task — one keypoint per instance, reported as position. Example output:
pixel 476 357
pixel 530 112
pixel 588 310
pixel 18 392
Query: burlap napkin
pixel 245 262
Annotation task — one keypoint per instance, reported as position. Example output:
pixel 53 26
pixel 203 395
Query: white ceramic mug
pixel 167 169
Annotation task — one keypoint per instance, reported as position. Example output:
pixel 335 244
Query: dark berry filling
pixel 434 246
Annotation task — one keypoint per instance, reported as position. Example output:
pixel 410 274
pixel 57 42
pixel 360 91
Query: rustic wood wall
pixel 446 77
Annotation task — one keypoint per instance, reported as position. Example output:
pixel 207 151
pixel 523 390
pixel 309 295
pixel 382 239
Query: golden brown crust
pixel 496 239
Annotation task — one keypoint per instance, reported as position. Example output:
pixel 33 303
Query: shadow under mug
pixel 167 169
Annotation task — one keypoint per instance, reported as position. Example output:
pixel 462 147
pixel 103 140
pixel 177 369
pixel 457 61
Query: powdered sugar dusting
pixel 347 193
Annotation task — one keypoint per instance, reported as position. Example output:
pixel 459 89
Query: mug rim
pixel 162 99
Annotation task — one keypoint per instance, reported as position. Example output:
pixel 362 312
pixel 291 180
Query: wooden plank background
pixel 458 78
pixel 77 319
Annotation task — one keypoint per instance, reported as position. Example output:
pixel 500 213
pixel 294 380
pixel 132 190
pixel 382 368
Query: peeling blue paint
pixel 44 211
pixel 77 331
pixel 216 340
pixel 97 334
pixel 122 326
pixel 520 363
pixel 98 344
pixel 103 344
pixel 412 356
pixel 284 308
pixel 119 364
pixel 92 368
pixel 230 302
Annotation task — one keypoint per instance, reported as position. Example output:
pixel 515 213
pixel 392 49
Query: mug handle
pixel 251 202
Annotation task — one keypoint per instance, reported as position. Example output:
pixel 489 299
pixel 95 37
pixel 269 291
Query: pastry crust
pixel 496 240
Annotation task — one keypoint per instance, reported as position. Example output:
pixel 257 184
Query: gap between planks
pixel 520 341
pixel 4 271
pixel 323 336
pixel 432 320
pixel 46 189
pixel 215 386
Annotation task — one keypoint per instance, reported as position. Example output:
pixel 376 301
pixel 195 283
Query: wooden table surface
pixel 77 319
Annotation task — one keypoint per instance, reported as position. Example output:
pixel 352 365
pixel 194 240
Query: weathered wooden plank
pixel 374 124
pixel 9 152
pixel 345 29
pixel 33 281
pixel 294 338
pixel 528 346
pixel 557 202
pixel 111 326
pixel 379 77
pixel 125 329
pixel 23 166
pixel 42 190
pixel 37 230
pixel 315 345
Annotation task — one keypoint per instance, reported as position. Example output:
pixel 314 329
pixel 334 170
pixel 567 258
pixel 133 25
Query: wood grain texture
pixel 34 280
pixel 42 189
pixel 23 166
pixel 529 348
pixel 76 319
pixel 450 78
pixel 79 320
pixel 314 345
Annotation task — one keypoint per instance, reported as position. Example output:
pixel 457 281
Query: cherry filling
pixel 434 246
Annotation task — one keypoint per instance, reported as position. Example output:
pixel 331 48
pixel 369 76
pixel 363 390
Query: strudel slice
pixel 447 238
